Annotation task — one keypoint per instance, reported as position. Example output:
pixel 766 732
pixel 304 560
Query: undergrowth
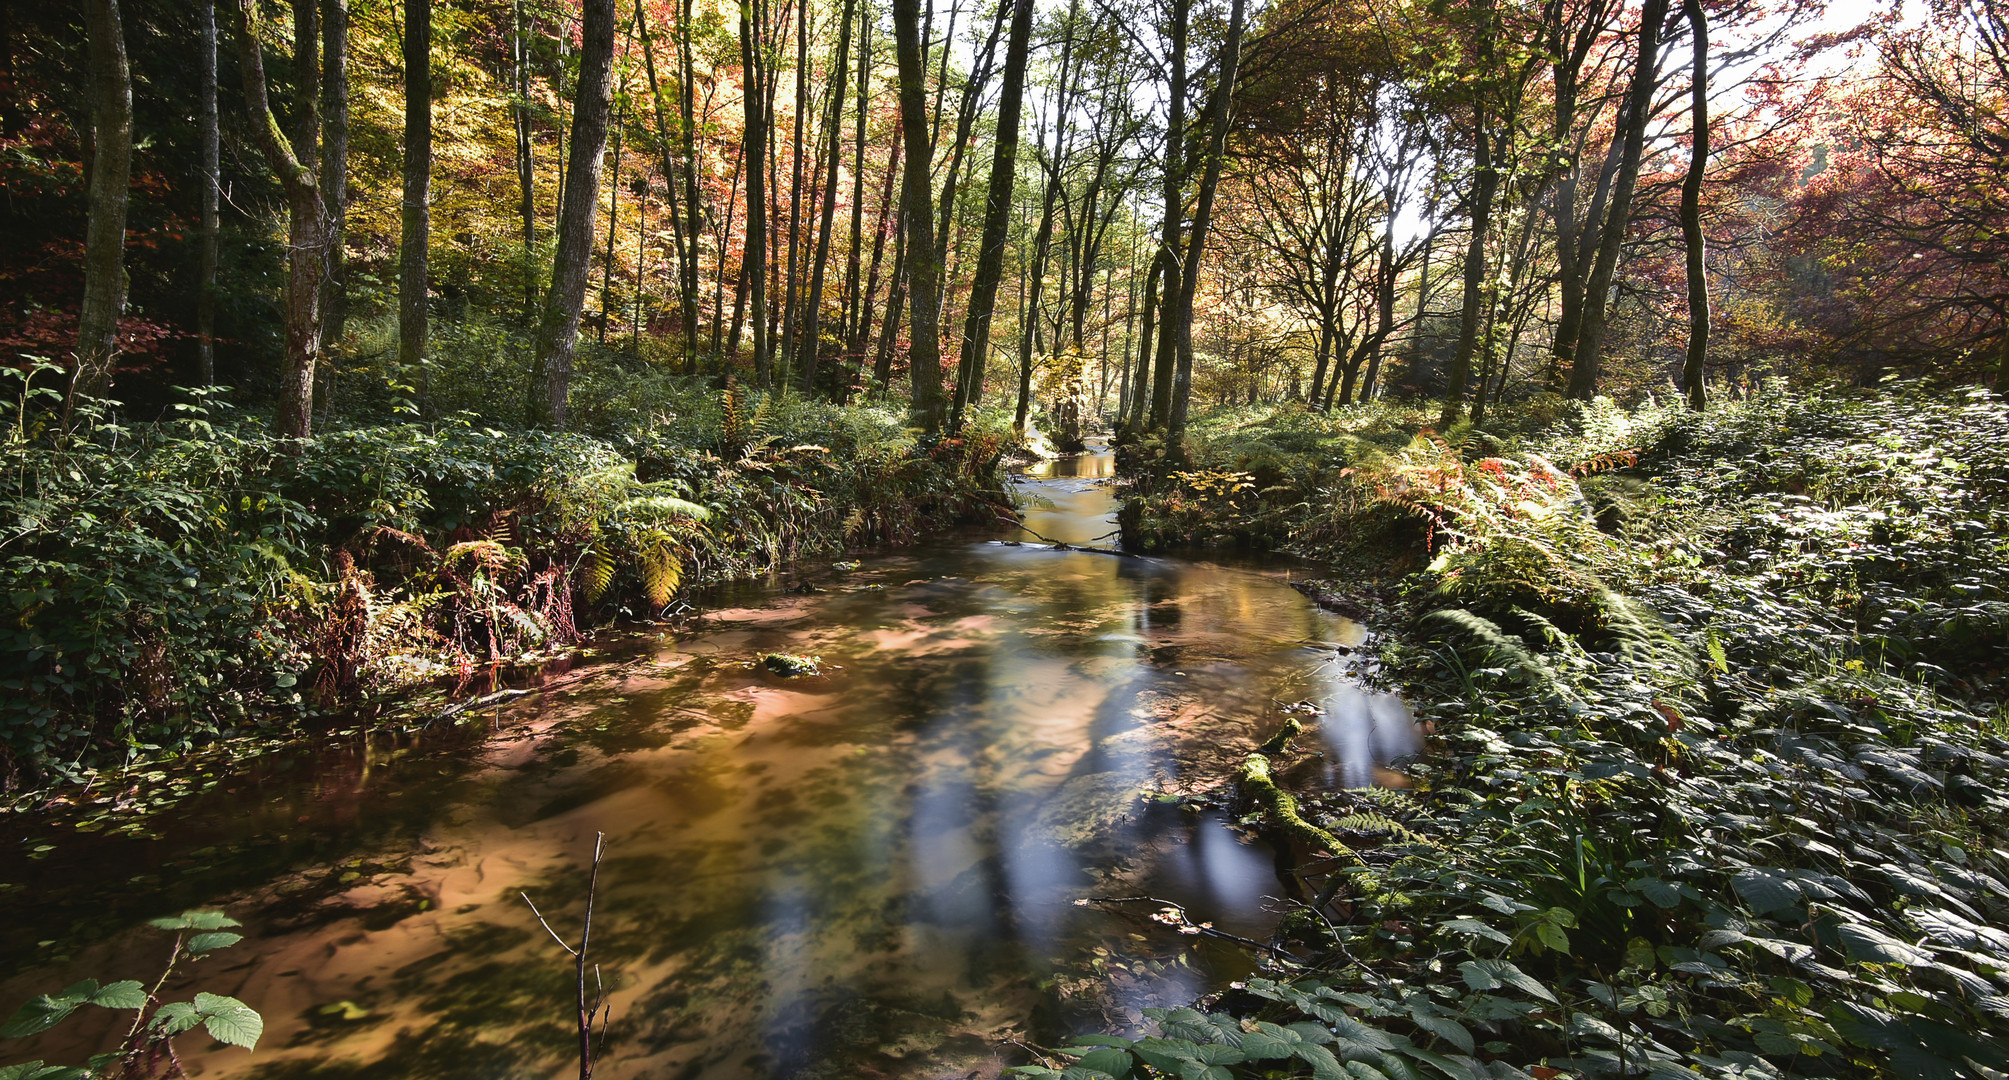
pixel 1720 785
pixel 171 583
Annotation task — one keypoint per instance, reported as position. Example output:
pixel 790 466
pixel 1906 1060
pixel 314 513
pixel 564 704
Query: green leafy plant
pixel 155 1023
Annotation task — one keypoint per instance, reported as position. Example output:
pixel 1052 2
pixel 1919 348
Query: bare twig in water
pixel 598 1011
pixel 1177 919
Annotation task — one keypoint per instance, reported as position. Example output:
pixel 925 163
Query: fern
pixel 661 563
pixel 1368 821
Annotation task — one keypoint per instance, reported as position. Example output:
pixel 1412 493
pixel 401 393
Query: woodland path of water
pixel 866 872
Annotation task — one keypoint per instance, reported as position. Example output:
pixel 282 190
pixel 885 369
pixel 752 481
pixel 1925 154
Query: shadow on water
pixel 866 872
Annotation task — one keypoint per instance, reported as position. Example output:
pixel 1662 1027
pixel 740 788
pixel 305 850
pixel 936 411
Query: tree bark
pixel 1691 213
pixel 212 220
pixel 694 212
pixel 1210 179
pixel 1639 106
pixel 1175 209
pixel 111 176
pixel 753 257
pixel 813 307
pixel 558 330
pixel 997 216
pixel 526 165
pixel 1049 200
pixel 415 214
pixel 789 311
pixel 1486 181
pixel 307 239
pixel 924 354
pixel 335 165
pixel 853 300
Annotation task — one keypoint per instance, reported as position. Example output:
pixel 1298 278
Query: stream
pixel 867 872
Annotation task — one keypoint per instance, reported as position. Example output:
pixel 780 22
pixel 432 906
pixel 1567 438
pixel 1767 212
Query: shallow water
pixel 867 872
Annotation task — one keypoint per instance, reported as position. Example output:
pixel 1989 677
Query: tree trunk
pixel 613 229
pixel 853 300
pixel 997 216
pixel 1196 245
pixel 753 257
pixel 1049 200
pixel 1175 209
pixel 924 354
pixel 789 311
pixel 415 211
pixel 335 165
pixel 558 330
pixel 889 330
pixel 526 165
pixel 861 332
pixel 813 307
pixel 111 176
pixel 1485 183
pixel 1141 395
pixel 306 235
pixel 212 219
pixel 694 212
pixel 1639 106
pixel 1691 213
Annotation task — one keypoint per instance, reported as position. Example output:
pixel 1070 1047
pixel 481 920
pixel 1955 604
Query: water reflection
pixel 867 872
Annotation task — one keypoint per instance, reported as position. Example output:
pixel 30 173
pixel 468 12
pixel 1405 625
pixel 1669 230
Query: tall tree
pixel 1222 115
pixel 753 256
pixel 924 351
pixel 526 161
pixel 111 175
pixel 1056 160
pixel 335 163
pixel 813 306
pixel 1589 345
pixel 1691 209
pixel 306 233
pixel 415 212
pixel 212 220
pixel 558 330
pixel 997 216
pixel 1174 196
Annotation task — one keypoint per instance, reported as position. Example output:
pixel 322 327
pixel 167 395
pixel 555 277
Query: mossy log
pixel 1280 807
pixel 1278 743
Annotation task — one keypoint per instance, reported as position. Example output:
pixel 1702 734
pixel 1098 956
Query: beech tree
pixel 111 173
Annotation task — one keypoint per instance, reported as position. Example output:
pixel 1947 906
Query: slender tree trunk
pixel 1486 182
pixel 813 308
pixel 694 212
pixel 1639 106
pixel 558 330
pixel 1196 246
pixel 416 214
pixel 1141 396
pixel 1691 212
pixel 526 164
pixel 1049 203
pixel 789 310
pixel 335 165
pixel 111 176
pixel 924 354
pixel 997 216
pixel 613 230
pixel 1416 359
pixel 1174 196
pixel 306 249
pixel 853 300
pixel 212 219
pixel 889 330
pixel 888 221
pixel 753 260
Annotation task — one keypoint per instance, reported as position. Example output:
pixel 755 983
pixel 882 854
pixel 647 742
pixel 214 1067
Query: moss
pixel 1280 807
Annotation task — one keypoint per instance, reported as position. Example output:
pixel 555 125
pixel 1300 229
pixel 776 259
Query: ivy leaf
pixel 231 1021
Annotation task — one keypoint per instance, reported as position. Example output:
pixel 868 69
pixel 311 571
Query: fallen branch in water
pixel 1174 915
pixel 1280 807
pixel 484 701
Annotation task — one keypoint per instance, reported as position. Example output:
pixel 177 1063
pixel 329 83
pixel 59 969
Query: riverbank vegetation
pixel 1721 717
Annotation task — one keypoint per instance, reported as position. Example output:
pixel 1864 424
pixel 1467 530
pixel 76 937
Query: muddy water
pixel 867 872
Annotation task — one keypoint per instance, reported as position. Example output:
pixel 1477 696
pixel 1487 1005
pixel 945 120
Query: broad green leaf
pixel 229 1020
pixel 1493 974
pixel 1660 893
pixel 1873 945
pixel 195 920
pixel 1445 1028
pixel 175 1017
pixel 1766 890
pixel 35 1070
pixel 1478 929
pixel 199 944
pixel 1269 1042
pixel 1108 1059
pixel 1552 935
pixel 1324 1066
pixel 42 1012
pixel 125 994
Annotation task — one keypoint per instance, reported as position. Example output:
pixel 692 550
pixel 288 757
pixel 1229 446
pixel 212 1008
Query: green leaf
pixel 1873 945
pixel 35 1070
pixel 1269 1042
pixel 1108 1059
pixel 1493 974
pixel 1660 893
pixel 175 1017
pixel 229 1020
pixel 126 994
pixel 207 943
pixel 1552 935
pixel 1766 890
pixel 194 920
pixel 41 1013
pixel 1445 1028
pixel 1477 929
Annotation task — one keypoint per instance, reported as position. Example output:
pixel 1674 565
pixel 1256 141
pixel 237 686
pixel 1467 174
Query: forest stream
pixel 871 871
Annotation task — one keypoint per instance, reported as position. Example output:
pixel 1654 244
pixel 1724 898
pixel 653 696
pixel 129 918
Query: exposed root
pixel 1280 807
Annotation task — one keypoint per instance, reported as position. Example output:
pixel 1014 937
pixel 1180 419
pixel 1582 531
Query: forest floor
pixel 1719 774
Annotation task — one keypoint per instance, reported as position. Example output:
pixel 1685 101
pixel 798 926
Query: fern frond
pixel 1369 821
